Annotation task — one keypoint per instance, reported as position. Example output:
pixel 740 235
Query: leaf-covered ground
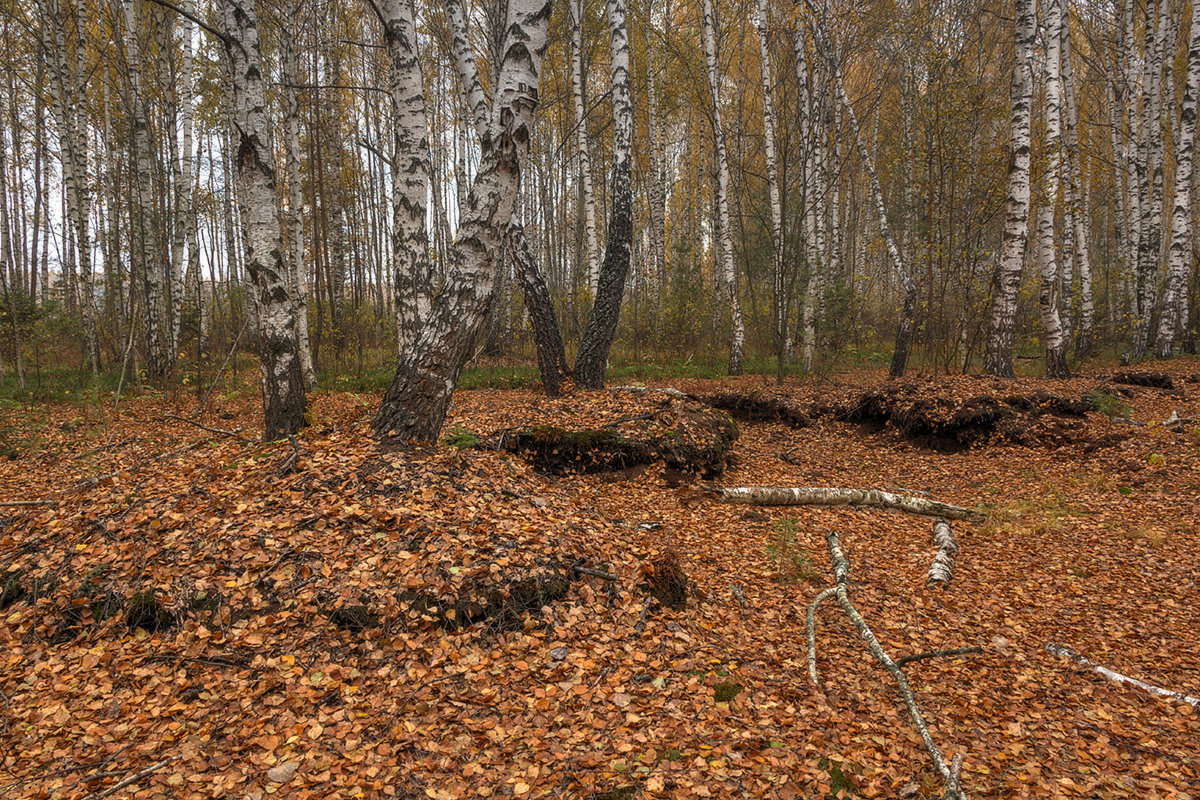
pixel 336 620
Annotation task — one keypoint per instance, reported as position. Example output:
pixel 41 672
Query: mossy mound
pixel 759 407
pixel 684 434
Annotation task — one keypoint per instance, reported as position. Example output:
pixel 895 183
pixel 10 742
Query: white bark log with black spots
pixel 282 378
pixel 854 498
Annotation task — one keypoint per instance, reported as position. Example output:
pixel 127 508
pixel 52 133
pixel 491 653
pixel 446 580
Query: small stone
pixel 559 653
pixel 282 773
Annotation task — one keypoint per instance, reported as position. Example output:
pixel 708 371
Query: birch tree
pixel 587 197
pixel 416 403
pixel 773 198
pixel 908 309
pixel 724 234
pixel 297 271
pixel 1049 187
pixel 1181 254
pixel 610 288
pixel 1076 216
pixel 282 377
pixel 998 357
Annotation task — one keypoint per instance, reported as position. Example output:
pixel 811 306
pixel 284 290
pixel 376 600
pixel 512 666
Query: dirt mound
pixel 759 406
pixel 640 428
pixel 928 415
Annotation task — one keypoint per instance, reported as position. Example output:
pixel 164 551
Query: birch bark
pixel 773 198
pixel 610 288
pixel 282 378
pixel 1180 258
pixel 998 357
pixel 1049 188
pixel 1077 210
pixel 587 196
pixel 416 403
pixel 297 269
pixel 724 234
pixel 411 267
pixel 908 310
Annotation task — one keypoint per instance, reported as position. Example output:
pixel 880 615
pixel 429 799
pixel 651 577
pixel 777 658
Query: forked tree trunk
pixel 282 378
pixel 1050 185
pixel 1181 219
pixel 724 233
pixel 411 269
pixel 606 310
pixel 416 403
pixel 998 357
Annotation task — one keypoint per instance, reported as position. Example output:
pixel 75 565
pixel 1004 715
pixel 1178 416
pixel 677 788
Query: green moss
pixel 147 613
pixel 726 691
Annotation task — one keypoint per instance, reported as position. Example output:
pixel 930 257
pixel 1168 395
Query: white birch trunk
pixel 297 269
pixel 812 195
pixel 146 261
pixel 1050 186
pixel 724 237
pixel 411 268
pixel 591 244
pixel 192 276
pixel 854 498
pixel 1077 210
pixel 282 379
pixel 998 357
pixel 416 403
pixel 773 198
pixel 1180 259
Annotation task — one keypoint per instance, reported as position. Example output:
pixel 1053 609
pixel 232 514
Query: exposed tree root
pixel 1153 380
pixel 943 563
pixel 755 407
pixel 855 498
pixel 1065 652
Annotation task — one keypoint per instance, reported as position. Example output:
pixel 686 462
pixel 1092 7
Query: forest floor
pixel 216 617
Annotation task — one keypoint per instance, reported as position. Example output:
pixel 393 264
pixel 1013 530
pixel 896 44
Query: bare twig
pixel 134 778
pixel 596 573
pixel 26 502
pixel 233 433
pixel 957 651
pixel 221 371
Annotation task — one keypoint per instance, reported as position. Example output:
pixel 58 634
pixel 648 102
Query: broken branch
pixel 811 627
pixel 596 573
pixel 956 651
pixel 1065 652
pixel 943 562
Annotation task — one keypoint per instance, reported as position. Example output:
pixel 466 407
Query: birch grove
pixel 880 213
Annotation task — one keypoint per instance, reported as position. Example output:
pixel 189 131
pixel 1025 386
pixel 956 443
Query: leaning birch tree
pixel 1049 187
pixel 998 357
pixel 724 237
pixel 908 309
pixel 610 286
pixel 282 376
pixel 1180 258
pixel 416 403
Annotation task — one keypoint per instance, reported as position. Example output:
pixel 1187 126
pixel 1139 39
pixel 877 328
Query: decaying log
pixel 1065 652
pixel 668 391
pixel 841 574
pixel 943 562
pixel 855 498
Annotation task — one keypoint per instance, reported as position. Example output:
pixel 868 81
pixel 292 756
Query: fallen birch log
pixel 943 562
pixel 854 498
pixel 841 574
pixel 1065 652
